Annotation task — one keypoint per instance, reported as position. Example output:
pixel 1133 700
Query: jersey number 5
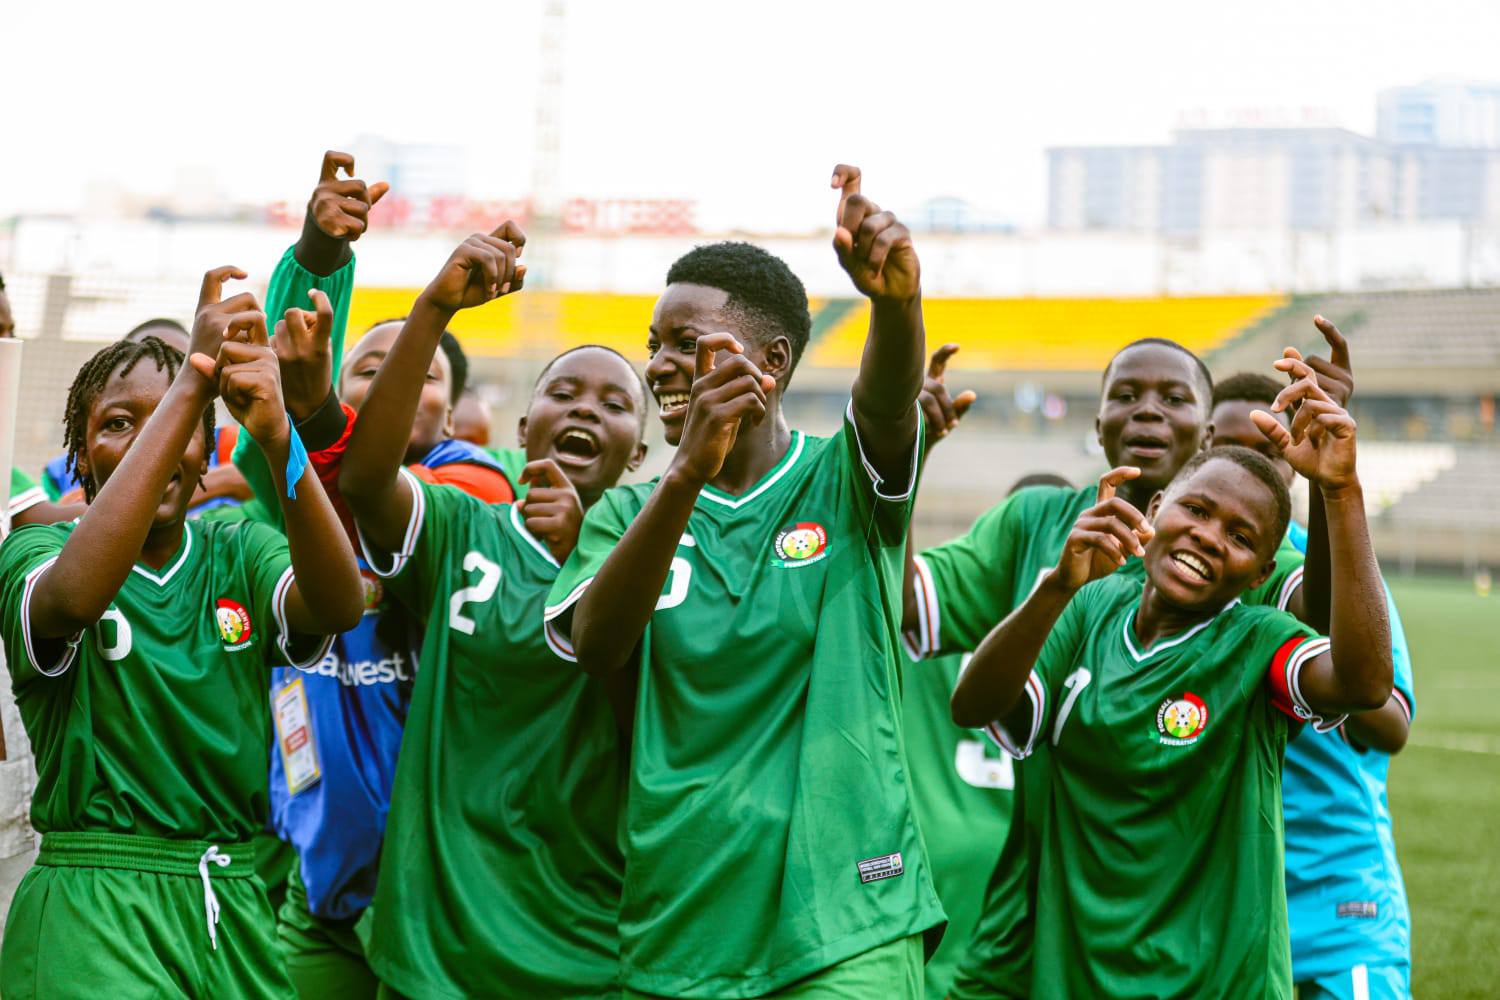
pixel 489 580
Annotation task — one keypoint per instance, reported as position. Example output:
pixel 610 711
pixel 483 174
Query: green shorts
pixel 325 958
pixel 118 916
pixel 890 972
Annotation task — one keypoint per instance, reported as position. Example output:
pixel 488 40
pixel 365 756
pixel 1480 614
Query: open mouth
pixel 672 403
pixel 577 446
pixel 1147 447
pixel 1193 566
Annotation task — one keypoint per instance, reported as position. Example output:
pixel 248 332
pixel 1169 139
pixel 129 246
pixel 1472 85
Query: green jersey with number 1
pixel 155 720
pixel 1159 871
pixel 769 831
pixel 501 870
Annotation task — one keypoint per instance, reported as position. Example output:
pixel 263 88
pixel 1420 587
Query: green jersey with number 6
pixel 154 721
pixel 1160 864
pixel 501 870
pixel 769 831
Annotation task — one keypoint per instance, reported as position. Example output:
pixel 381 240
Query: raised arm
pixel 942 414
pixel 76 589
pixel 483 268
pixel 326 596
pixel 1355 674
pixel 877 252
pixel 1103 538
pixel 612 614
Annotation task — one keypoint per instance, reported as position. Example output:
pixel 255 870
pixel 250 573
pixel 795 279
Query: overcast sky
pixel 744 107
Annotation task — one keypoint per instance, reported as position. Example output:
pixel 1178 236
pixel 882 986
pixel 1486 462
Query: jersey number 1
pixel 489 580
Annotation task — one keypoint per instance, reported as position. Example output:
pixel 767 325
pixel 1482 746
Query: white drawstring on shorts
pixel 211 901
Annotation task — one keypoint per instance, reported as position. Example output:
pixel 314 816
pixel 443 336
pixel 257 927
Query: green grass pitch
pixel 1445 787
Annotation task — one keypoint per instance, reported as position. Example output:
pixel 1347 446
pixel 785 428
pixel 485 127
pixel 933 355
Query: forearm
pixel 1384 729
pixel 98 555
pixel 378 444
pixel 1359 627
pixel 1316 572
pixel 889 381
pixel 910 619
pixel 615 609
pixel 990 687
pixel 328 584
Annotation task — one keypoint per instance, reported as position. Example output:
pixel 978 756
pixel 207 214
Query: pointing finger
pixel 543 472
pixel 939 363
pixel 213 283
pixel 1336 342
pixel 963 401
pixel 1111 480
pixel 511 232
pixel 377 191
pixel 323 309
pixel 709 346
pixel 332 161
pixel 846 180
pixel 1274 430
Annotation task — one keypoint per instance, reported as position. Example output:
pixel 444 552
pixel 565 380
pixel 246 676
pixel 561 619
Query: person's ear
pixel 637 458
pixel 521 432
pixel 1098 432
pixel 1208 436
pixel 778 359
pixel 448 421
pixel 1155 505
pixel 1265 573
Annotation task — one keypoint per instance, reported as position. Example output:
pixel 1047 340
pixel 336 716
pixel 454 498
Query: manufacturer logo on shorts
pixel 1359 911
pixel 373 589
pixel 1181 720
pixel 799 544
pixel 234 623
pixel 885 866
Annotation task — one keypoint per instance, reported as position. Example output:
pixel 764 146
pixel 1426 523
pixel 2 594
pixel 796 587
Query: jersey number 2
pixel 489 580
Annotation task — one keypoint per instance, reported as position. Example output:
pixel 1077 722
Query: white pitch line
pixel 1462 742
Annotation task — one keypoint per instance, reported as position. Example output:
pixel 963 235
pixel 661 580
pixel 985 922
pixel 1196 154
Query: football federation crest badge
pixel 374 591
pixel 234 623
pixel 1180 721
pixel 799 544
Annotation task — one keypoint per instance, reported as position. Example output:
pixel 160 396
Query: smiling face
pixel 1153 413
pixel 684 313
pixel 434 421
pixel 587 416
pixel 119 413
pixel 1215 536
pixel 1232 425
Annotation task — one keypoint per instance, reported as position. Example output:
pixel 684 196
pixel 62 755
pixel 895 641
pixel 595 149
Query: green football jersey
pixel 961 790
pixel 155 720
pixel 769 832
pixel 1160 871
pixel 24 493
pixel 966 586
pixel 501 870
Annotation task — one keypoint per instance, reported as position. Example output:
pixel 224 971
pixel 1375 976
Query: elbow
pixel 345 617
pixel 1370 695
pixel 964 713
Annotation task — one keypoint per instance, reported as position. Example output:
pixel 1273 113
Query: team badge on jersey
pixel 234 623
pixel 1181 720
pixel 799 544
pixel 373 589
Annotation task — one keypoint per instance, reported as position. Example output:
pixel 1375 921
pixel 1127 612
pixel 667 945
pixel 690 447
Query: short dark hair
pixel 1205 377
pixel 458 364
pixel 90 381
pixel 1039 479
pixel 1247 387
pixel 762 290
pixel 639 381
pixel 1257 465
pixel 170 324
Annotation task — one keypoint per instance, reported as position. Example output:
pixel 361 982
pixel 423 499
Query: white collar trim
pixel 1138 656
pixel 734 503
pixel 161 581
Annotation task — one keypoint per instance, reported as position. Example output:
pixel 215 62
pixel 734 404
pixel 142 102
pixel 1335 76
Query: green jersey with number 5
pixel 501 870
pixel 769 830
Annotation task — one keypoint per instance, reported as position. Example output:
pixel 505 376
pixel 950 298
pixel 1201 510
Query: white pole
pixel 10 401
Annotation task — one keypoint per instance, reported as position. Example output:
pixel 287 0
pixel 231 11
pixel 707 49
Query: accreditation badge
pixel 299 753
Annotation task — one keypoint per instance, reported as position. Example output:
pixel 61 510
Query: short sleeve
pixel 885 506
pixel 965 587
pixel 603 527
pixel 267 565
pixel 1057 659
pixel 24 557
pixel 1296 645
pixel 438 514
pixel 1278 588
pixel 24 494
pixel 478 481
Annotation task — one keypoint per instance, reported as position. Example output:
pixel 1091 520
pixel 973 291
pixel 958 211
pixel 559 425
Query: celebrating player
pixel 769 837
pixel 139 644
pixel 1345 897
pixel 1159 861
pixel 501 870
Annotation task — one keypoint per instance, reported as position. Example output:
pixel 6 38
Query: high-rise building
pixel 1449 113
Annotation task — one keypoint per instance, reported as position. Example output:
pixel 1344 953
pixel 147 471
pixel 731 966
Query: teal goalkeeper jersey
pixel 155 720
pixel 1160 868
pixel 769 832
pixel 501 870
